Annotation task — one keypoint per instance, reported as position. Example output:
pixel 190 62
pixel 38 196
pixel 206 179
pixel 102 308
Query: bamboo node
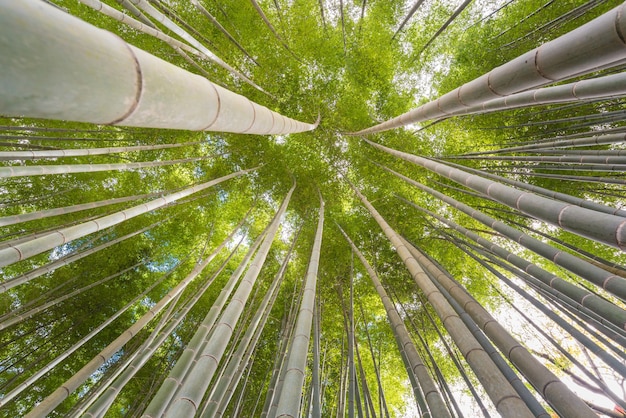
pixel 618 29
pixel 139 91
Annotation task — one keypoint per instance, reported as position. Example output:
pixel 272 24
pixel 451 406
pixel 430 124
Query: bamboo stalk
pixel 289 403
pixel 60 153
pixel 46 213
pixel 198 378
pixel 504 397
pixel 63 391
pixel 43 170
pixel 104 403
pixel 45 75
pixel 574 296
pixel 221 28
pixel 437 407
pixel 36 246
pixel 145 26
pixel 564 401
pixel 224 390
pixel 601 227
pixel 594 45
pixel 49 267
pixel 584 203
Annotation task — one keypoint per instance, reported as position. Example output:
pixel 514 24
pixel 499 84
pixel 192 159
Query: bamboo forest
pixel 313 208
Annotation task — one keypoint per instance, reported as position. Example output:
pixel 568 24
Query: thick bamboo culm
pixel 595 45
pixel 46 75
pixel 606 87
pixel 600 227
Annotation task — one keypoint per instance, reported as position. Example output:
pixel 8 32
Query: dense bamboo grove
pixel 312 208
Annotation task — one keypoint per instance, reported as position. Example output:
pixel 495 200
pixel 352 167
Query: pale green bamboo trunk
pixel 46 213
pixel 601 227
pixel 106 383
pixel 607 87
pixel 146 27
pixel 46 75
pixel 584 203
pixel 558 395
pixel 224 388
pixel 504 397
pixel 44 170
pixel 62 392
pixel 168 23
pixel 573 295
pixel 436 405
pixel 167 391
pixel 289 398
pixel 32 155
pixel 597 44
pixel 36 246
pixel 33 274
pixel 104 403
pixel 596 275
pixel 561 142
pixel 198 378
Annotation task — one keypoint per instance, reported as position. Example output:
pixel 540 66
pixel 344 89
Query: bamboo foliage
pixel 269 25
pixel 221 28
pixel 19 317
pixel 408 17
pixel 135 89
pixel 447 23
